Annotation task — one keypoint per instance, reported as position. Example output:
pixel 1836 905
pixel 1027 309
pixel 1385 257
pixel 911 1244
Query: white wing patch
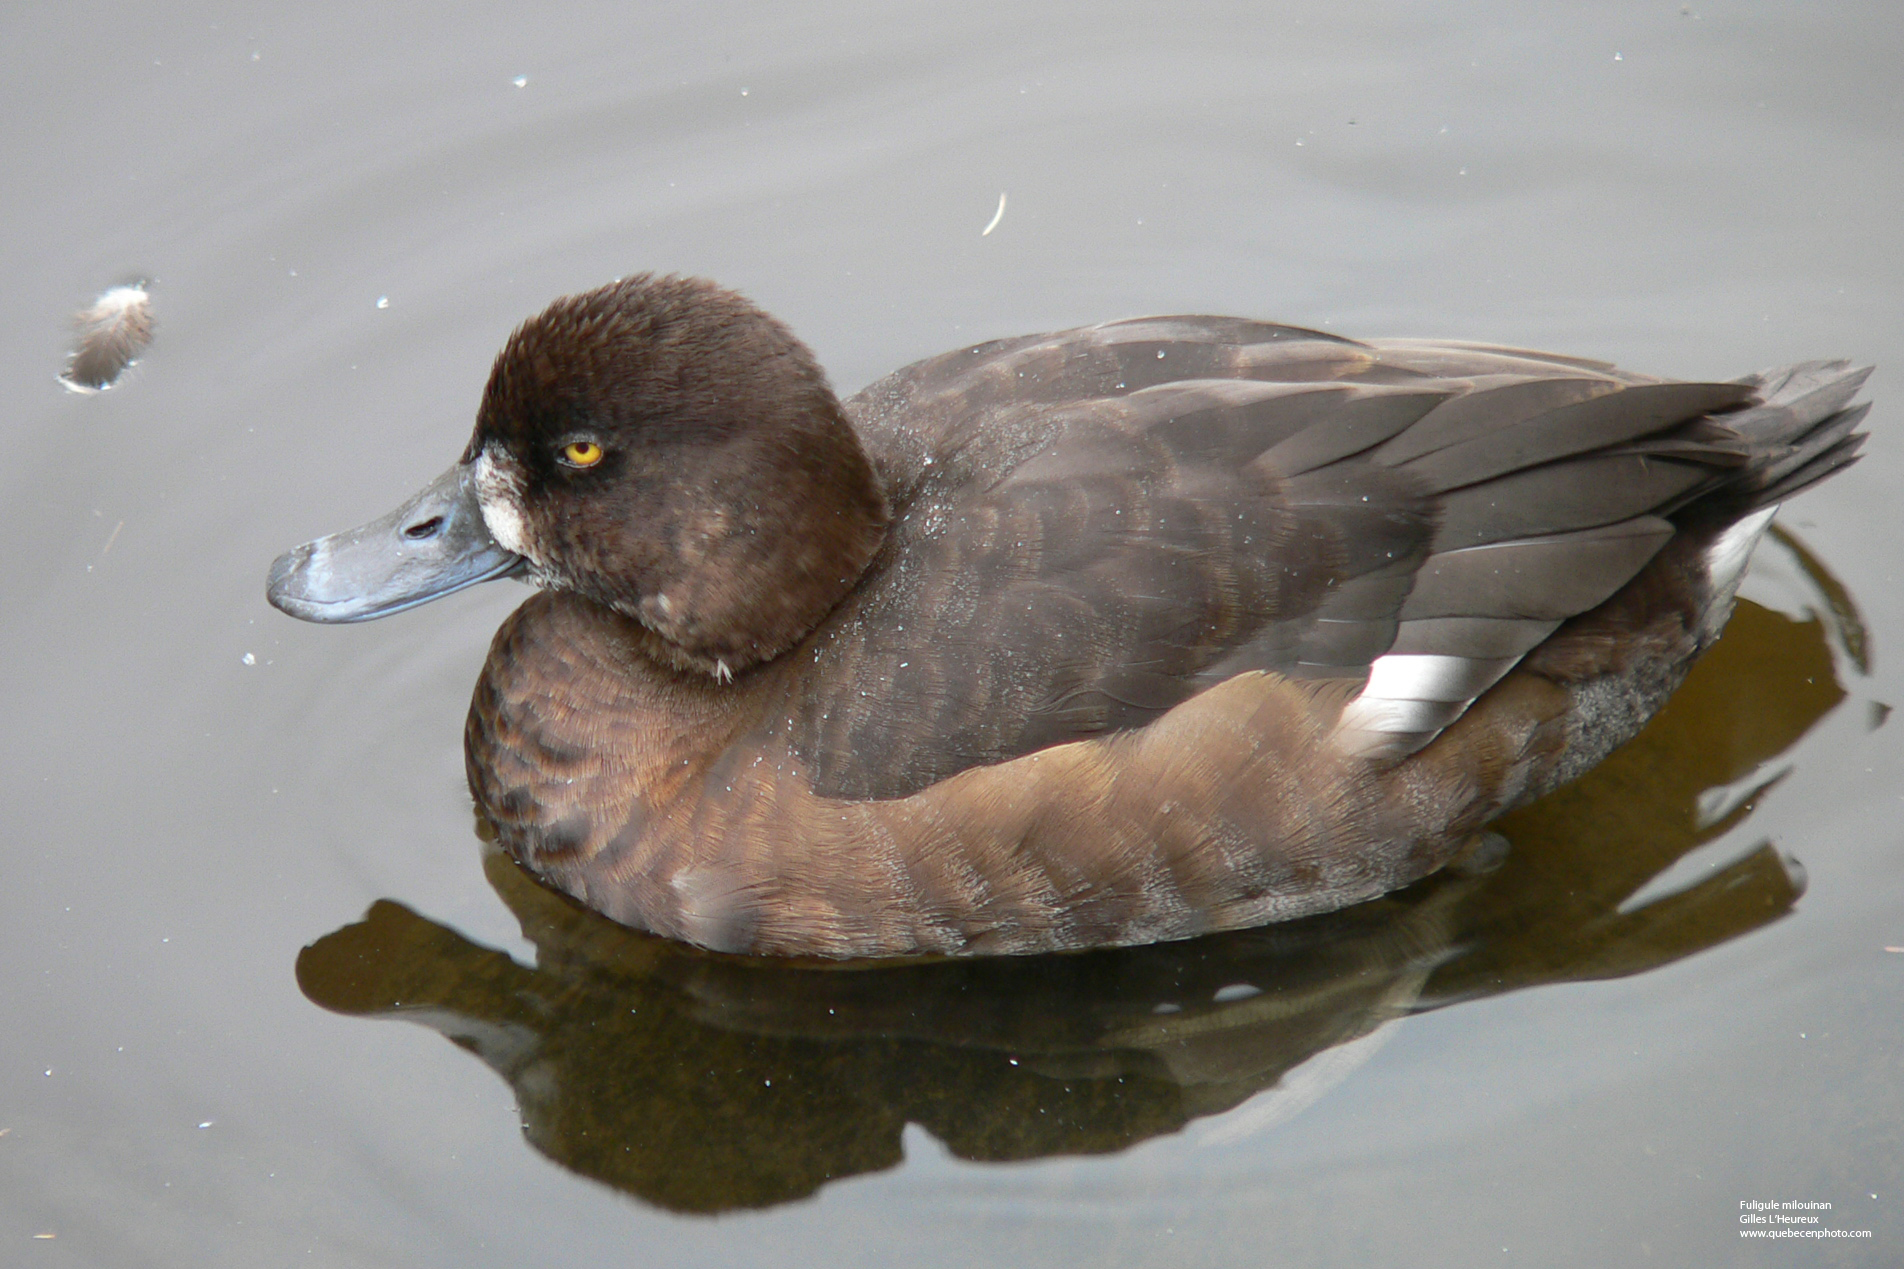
pixel 1429 677
pixel 1410 697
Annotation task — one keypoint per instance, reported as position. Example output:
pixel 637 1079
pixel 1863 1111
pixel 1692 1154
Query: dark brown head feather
pixel 733 507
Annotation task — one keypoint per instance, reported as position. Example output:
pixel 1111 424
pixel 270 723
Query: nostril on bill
pixel 424 529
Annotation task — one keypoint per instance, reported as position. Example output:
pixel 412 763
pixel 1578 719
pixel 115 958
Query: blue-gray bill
pixel 432 545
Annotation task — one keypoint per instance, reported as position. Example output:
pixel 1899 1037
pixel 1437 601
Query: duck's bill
pixel 432 545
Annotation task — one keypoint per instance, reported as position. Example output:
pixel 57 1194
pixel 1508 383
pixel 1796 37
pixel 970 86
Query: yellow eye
pixel 581 453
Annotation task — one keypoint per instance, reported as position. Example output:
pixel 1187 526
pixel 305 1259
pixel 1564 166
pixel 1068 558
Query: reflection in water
pixel 703 1082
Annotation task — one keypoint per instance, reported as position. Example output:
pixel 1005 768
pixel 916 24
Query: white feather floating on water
pixel 112 334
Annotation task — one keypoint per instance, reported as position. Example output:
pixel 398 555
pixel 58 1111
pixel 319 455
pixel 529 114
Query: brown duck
pixel 1114 635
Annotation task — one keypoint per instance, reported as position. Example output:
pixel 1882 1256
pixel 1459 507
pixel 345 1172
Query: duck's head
pixel 659 445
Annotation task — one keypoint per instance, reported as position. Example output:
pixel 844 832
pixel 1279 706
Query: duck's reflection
pixel 703 1083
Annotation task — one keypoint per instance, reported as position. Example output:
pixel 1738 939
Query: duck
pixel 1115 635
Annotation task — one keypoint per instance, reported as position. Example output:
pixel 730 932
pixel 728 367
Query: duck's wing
pixel 1094 526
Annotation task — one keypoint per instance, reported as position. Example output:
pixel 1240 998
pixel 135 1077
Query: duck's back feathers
pixel 1086 533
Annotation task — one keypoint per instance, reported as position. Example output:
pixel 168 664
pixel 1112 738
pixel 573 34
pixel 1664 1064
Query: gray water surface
pixel 240 851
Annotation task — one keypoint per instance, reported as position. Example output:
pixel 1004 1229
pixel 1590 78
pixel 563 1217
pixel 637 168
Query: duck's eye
pixel 581 453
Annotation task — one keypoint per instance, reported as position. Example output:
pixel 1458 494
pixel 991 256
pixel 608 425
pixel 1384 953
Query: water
pixel 239 846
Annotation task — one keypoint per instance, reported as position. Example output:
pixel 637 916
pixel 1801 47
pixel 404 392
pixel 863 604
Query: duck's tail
pixel 1802 430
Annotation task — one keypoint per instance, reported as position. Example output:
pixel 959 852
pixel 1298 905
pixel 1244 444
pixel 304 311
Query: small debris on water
pixel 383 301
pixel 520 81
pixel 996 217
pixel 249 659
pixel 113 331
